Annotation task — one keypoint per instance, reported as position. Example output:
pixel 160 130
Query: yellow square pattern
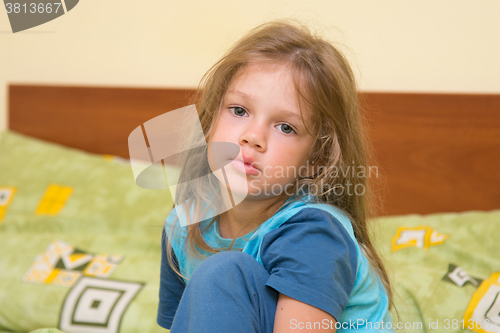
pixel 53 200
pixel 482 312
pixel 62 264
pixel 420 237
pixel 108 157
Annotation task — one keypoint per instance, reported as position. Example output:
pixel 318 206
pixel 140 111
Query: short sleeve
pixel 171 289
pixel 311 258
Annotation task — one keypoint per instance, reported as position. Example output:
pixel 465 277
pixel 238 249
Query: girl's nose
pixel 254 137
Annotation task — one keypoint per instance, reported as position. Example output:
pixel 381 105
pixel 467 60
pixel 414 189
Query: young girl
pixel 294 254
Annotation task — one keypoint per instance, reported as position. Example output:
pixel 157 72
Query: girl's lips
pixel 245 168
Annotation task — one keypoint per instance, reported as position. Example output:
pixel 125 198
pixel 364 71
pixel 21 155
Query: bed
pixel 80 241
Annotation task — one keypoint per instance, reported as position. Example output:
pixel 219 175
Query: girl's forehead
pixel 261 78
pixel 280 73
pixel 255 67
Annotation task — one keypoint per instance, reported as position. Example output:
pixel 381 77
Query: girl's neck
pixel 249 213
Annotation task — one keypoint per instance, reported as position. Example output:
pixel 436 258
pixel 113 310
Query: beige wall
pixel 394 45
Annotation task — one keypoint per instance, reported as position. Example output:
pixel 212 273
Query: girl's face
pixel 261 114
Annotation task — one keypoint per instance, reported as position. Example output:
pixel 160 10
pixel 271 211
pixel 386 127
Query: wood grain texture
pixel 95 119
pixel 437 152
pixel 434 152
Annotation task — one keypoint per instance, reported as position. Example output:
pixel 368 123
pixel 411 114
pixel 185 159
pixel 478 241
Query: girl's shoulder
pixel 295 206
pixel 304 216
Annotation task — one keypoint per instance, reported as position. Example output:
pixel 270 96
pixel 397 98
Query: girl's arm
pixel 171 288
pixel 295 316
pixel 313 261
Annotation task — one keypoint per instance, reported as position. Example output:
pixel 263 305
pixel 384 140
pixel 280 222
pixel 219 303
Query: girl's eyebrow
pixel 241 93
pixel 286 113
pixel 293 115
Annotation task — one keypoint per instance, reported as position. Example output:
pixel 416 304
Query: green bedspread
pixel 80 249
pixel 445 269
pixel 79 241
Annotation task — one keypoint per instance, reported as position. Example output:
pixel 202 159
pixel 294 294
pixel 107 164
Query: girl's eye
pixel 287 129
pixel 238 111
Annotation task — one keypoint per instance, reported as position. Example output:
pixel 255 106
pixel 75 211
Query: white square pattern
pixel 96 305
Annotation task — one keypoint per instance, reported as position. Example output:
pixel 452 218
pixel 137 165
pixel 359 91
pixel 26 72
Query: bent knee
pixel 228 263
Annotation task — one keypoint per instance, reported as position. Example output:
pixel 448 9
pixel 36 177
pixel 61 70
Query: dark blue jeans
pixel 227 294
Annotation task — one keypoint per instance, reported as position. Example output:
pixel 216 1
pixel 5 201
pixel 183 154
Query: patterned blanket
pixel 80 250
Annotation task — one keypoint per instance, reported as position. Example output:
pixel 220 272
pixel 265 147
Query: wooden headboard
pixel 434 152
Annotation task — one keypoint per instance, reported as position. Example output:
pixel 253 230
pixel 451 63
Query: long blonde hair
pixel 325 83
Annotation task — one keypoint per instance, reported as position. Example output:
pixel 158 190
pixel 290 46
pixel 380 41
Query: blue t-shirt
pixel 311 254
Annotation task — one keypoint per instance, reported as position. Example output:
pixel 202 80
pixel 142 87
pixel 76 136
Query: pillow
pixel 444 269
pixel 80 241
